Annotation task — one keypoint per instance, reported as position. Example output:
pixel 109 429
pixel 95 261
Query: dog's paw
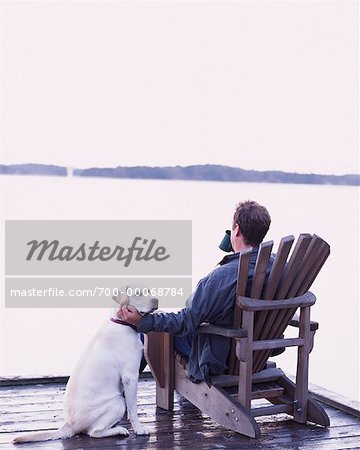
pixel 141 431
pixel 125 432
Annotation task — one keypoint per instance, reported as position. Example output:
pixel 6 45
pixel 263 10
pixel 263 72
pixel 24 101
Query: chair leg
pixel 244 353
pixel 315 413
pixel 217 404
pixel 302 372
pixel 159 353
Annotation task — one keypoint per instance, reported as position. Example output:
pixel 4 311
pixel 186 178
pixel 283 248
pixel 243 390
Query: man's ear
pixel 121 298
pixel 237 230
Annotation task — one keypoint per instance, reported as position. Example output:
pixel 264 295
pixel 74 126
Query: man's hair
pixel 254 221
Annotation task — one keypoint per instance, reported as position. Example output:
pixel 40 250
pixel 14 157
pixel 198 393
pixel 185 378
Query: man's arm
pixel 181 323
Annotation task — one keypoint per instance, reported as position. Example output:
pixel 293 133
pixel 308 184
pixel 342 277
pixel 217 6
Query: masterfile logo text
pixel 77 247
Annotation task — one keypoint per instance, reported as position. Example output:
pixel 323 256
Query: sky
pixel 264 85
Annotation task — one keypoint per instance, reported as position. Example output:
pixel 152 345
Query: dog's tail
pixel 64 431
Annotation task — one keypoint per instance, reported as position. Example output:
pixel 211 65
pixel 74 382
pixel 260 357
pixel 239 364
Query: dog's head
pixel 137 296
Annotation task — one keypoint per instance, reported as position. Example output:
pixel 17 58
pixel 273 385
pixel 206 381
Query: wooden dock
pixel 38 406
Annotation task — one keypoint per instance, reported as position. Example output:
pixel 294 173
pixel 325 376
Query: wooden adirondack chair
pixel 259 323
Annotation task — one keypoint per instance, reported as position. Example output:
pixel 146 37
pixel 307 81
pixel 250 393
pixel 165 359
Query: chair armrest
pixel 229 332
pixel 251 304
pixel 295 322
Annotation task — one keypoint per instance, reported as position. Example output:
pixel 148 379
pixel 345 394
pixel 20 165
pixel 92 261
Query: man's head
pixel 252 221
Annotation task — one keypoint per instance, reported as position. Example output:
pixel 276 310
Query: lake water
pixel 48 341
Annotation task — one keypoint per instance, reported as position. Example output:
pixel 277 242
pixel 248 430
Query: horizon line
pixel 179 166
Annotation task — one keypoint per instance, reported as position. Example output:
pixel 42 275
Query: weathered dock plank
pixel 39 407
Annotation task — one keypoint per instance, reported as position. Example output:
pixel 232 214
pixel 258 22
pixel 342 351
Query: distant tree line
pixel 208 172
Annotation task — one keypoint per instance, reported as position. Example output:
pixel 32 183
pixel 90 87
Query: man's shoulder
pixel 224 270
pixel 226 273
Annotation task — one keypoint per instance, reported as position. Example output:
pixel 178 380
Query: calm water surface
pixel 46 341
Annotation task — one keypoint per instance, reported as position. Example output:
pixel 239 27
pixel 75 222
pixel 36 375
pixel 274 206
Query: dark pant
pixel 182 344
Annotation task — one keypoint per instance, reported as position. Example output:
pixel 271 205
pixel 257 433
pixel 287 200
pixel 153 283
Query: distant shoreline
pixel 206 172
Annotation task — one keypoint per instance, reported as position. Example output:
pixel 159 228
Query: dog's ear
pixel 121 298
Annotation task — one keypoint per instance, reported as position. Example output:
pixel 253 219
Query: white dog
pixel 109 368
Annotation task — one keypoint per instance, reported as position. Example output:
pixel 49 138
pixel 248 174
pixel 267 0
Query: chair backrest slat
pixel 306 265
pixel 262 264
pixel 243 273
pixel 278 267
pixel 321 257
pixel 292 266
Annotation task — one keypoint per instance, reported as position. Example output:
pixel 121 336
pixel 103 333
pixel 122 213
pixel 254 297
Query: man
pixel 212 301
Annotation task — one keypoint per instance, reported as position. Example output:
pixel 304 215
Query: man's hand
pixel 129 314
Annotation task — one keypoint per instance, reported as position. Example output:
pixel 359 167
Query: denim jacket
pixel 212 301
